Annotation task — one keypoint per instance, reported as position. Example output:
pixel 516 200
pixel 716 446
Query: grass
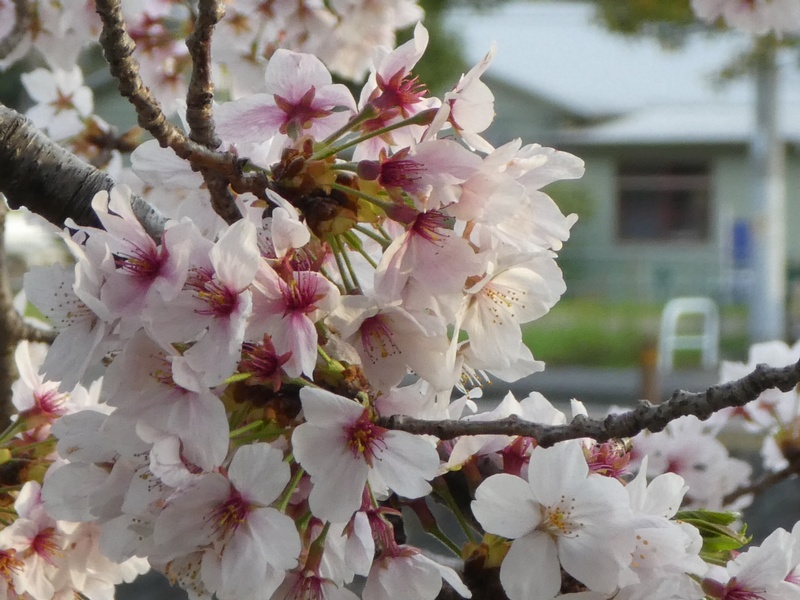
pixel 589 332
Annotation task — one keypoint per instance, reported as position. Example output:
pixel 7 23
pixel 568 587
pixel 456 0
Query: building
pixel 664 206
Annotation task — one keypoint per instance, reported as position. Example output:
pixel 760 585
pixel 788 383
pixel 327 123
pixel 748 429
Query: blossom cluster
pixel 344 32
pixel 234 435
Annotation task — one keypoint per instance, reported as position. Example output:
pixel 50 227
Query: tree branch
pixel 22 19
pixel 40 175
pixel 199 104
pixel 118 49
pixel 200 96
pixel 763 483
pixel 645 416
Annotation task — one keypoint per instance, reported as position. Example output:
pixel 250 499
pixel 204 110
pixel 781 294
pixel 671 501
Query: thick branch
pixel 44 177
pixel 40 175
pixel 645 416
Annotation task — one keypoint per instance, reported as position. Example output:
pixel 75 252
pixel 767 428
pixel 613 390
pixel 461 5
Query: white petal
pixel 406 462
pixel 325 408
pixel 530 570
pixel 551 471
pixel 504 505
pixel 259 472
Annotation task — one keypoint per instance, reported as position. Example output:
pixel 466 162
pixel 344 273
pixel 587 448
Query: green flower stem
pixel 383 241
pixel 287 493
pixel 366 114
pixel 356 245
pixel 11 431
pixel 314 558
pixel 422 118
pixel 344 166
pixel 384 204
pixel 446 541
pixel 444 494
pixel 246 428
pixel 348 263
pixel 337 254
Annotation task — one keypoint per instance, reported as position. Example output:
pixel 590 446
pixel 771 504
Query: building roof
pixel 639 90
pixel 682 124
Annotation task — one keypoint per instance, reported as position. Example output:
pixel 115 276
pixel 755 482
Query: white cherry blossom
pixel 562 517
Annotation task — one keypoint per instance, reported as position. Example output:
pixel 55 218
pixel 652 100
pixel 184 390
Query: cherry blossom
pixel 562 517
pixel 62 101
pixel 300 99
pixel 231 521
pixel 342 450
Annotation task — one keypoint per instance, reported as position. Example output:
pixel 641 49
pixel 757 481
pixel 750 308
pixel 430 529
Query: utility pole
pixel 767 310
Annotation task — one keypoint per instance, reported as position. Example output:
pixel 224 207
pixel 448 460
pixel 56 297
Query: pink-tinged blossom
pixel 430 173
pixel 468 108
pixel 247 544
pixel 392 85
pixel 142 269
pixel 307 585
pixel 62 101
pixel 516 289
pixel 664 547
pixel 342 450
pixel 70 299
pixel 392 93
pixel 301 99
pixel 140 384
pixel 760 572
pixel 429 253
pixel 37 400
pixel 37 541
pixel 562 517
pixel 506 204
pixel 405 572
pixel 755 16
pixel 390 341
pixel 687 448
pixel 213 308
pixel 289 310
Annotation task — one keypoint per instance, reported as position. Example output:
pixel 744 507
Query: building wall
pixel 597 263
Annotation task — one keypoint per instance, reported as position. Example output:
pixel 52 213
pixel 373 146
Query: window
pixel 668 202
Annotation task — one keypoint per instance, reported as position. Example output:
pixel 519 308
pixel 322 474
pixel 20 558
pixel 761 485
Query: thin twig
pixel 763 483
pixel 22 19
pixel 645 416
pixel 118 48
pixel 200 95
pixel 199 105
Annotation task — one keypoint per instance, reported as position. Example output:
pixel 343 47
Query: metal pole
pixel 767 314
